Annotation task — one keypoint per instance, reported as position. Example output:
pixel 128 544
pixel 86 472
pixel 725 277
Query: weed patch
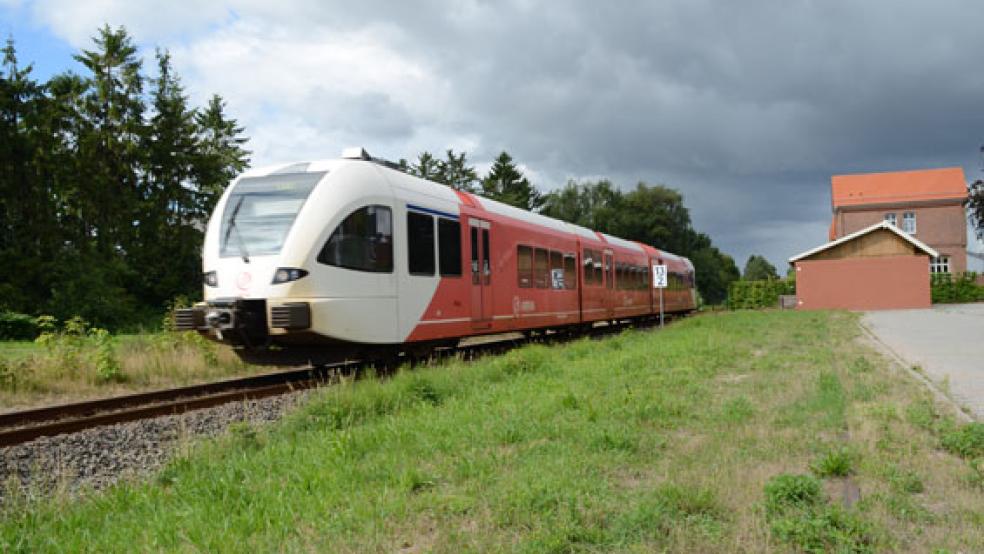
pixel 792 492
pixel 837 462
pixel 799 514
pixel 966 441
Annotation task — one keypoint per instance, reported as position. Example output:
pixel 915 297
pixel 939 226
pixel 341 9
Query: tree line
pixel 106 178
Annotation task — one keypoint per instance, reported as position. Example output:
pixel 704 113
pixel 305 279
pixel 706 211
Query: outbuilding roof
pixel 880 225
pixel 893 187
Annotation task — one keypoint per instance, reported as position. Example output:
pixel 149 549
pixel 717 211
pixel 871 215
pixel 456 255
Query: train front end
pixel 247 261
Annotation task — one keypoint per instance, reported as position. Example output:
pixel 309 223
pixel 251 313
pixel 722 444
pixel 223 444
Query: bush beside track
pixel 645 441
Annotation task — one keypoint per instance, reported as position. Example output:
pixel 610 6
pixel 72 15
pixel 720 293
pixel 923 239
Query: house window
pixel 909 222
pixel 890 217
pixel 939 265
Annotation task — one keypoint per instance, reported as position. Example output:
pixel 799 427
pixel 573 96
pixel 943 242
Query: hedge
pixel 947 288
pixel 752 295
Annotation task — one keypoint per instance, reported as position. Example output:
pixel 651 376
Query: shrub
pixel 753 295
pixel 15 326
pixel 107 365
pixel 947 288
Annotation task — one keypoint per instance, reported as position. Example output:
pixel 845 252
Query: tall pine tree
pixel 507 184
pixel 221 155
pixel 455 172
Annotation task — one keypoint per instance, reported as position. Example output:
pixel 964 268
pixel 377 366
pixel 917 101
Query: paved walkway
pixel 947 341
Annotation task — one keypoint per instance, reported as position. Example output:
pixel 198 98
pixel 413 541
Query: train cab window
pixel 524 263
pixel 556 270
pixel 420 244
pixel 541 268
pixel 449 247
pixel 363 241
pixel 570 271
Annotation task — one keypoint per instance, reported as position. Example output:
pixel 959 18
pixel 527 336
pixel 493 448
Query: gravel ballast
pixel 99 457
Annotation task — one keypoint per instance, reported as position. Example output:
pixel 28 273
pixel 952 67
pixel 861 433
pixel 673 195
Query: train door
pixel 479 233
pixel 609 283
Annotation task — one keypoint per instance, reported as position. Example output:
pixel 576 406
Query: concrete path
pixel 946 341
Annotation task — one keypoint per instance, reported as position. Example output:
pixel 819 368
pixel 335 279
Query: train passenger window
pixel 524 263
pixel 486 263
pixel 588 267
pixel 363 241
pixel 556 270
pixel 449 247
pixel 420 244
pixel 609 271
pixel 541 268
pixel 476 279
pixel 598 279
pixel 570 271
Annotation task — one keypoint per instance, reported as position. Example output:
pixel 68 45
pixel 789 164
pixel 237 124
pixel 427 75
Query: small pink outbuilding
pixel 877 268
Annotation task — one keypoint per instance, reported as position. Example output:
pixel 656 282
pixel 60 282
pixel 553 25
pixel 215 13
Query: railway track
pixel 26 425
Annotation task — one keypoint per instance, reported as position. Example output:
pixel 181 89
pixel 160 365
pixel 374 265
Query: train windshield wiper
pixel 239 236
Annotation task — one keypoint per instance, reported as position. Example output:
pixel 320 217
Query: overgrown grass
pixel 643 442
pixel 88 363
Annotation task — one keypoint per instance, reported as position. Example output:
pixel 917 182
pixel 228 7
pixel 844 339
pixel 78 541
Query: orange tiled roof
pixel 947 183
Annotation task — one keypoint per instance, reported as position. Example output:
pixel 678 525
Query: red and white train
pixel 352 258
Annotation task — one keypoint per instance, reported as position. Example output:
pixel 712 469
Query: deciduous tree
pixel 757 268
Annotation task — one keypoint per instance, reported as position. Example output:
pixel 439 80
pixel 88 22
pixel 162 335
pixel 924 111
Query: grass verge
pixel 671 440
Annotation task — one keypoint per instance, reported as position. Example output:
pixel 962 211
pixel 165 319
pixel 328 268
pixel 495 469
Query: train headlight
pixel 211 279
pixel 287 274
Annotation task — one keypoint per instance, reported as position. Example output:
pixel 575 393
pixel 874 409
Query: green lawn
pixel 651 440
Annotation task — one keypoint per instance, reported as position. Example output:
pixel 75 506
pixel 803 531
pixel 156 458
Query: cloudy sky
pixel 746 107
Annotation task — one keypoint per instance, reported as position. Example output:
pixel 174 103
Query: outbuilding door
pixel 481 272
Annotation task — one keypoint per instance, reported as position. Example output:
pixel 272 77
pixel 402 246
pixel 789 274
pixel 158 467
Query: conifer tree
pixel 426 167
pixel 222 155
pixel 507 184
pixel 455 172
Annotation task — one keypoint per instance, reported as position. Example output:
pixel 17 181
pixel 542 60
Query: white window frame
pixel 909 222
pixel 890 217
pixel 939 265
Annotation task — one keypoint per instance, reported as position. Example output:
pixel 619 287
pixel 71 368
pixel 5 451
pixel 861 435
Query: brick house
pixel 927 204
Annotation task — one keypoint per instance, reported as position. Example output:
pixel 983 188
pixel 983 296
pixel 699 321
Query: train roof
pixel 447 194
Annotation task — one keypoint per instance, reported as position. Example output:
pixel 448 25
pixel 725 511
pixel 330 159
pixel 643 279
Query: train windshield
pixel 260 211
